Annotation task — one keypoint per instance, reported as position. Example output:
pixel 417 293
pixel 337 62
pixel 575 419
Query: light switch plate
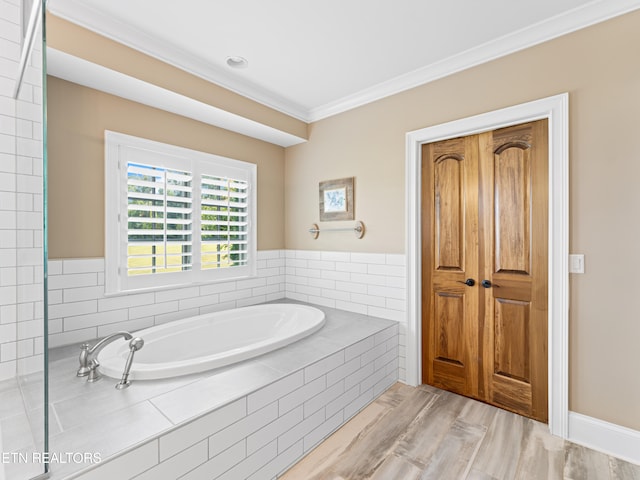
pixel 576 263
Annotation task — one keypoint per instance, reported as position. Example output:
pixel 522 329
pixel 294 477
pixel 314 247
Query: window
pixel 175 216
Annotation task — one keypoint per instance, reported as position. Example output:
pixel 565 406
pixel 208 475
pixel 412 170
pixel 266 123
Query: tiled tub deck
pixel 250 420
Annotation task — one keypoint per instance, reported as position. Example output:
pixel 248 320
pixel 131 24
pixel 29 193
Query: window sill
pixel 178 286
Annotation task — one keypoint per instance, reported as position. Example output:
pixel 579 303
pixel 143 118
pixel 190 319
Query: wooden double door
pixel 484 267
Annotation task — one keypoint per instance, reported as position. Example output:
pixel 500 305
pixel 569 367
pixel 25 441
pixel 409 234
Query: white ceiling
pixel 314 59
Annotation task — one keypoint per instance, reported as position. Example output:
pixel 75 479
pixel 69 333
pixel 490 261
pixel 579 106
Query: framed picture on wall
pixel 336 200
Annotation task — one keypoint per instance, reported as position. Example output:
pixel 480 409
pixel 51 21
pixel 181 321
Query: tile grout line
pixel 150 400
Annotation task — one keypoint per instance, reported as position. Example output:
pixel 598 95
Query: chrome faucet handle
pixel 94 375
pixel 84 369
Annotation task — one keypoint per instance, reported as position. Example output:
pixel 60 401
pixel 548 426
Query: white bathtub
pixel 213 340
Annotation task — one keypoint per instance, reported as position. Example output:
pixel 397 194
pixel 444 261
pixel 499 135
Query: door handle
pixel 488 284
pixel 469 282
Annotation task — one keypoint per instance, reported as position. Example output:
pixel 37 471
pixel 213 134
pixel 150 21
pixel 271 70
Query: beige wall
pixel 77 119
pixel 599 68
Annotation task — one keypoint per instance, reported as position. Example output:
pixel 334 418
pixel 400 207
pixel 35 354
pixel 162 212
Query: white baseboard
pixel 621 442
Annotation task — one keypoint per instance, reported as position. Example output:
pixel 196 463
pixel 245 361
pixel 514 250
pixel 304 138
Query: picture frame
pixel 336 199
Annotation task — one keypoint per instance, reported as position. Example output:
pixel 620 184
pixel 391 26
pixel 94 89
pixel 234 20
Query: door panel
pixel 512 193
pixel 448 185
pixel 514 247
pixel 511 337
pixel 484 217
pixel 450 233
pixel 449 327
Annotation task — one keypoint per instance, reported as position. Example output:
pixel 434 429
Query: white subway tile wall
pixel 370 284
pixel 79 311
pixel 262 434
pixel 21 252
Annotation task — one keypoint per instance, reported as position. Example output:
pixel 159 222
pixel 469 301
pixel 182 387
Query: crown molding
pixel 571 21
pixel 594 12
pixel 78 12
pixel 83 72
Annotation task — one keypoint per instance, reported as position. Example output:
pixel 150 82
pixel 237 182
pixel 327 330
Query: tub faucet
pixel 88 361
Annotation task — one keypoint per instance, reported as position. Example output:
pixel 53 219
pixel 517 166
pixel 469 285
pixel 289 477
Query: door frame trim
pixel 556 110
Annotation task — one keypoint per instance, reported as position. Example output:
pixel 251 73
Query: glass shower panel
pixel 23 325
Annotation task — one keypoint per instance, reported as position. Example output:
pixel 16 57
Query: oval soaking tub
pixel 201 343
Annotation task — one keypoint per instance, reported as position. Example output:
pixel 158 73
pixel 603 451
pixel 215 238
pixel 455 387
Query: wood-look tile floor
pixel 426 433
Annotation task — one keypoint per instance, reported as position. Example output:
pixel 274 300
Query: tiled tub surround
pixel 250 420
pixel 365 283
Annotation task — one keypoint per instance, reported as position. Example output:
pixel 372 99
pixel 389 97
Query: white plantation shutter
pixel 175 216
pixel 224 223
pixel 159 209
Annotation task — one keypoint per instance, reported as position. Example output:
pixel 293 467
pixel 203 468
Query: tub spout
pixel 88 354
pixel 134 345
